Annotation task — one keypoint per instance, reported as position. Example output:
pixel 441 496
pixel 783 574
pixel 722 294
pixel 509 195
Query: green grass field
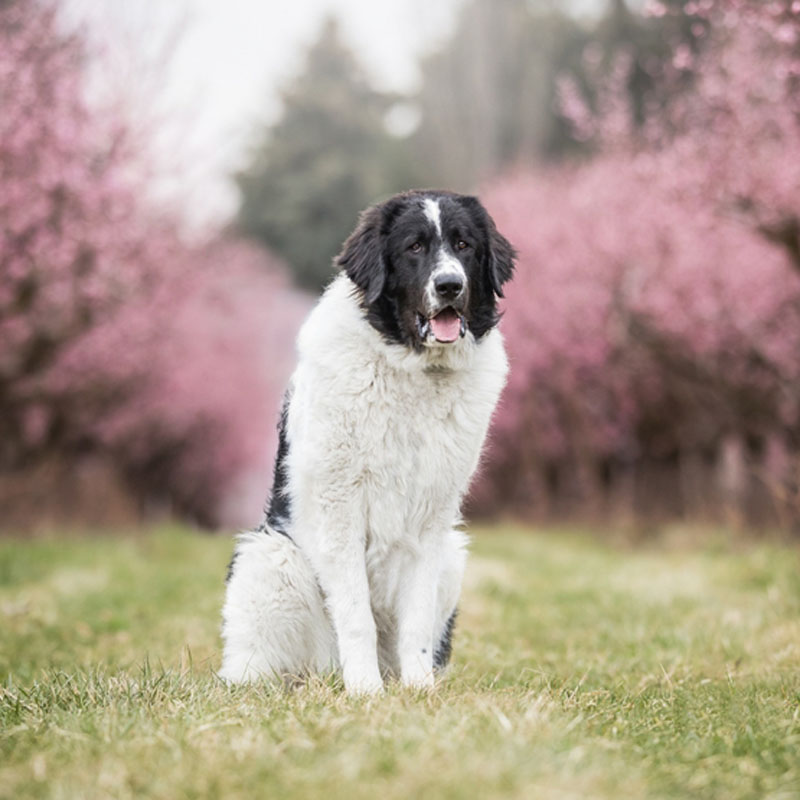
pixel 581 670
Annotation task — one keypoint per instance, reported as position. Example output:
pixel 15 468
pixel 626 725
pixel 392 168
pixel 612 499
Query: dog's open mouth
pixel 445 327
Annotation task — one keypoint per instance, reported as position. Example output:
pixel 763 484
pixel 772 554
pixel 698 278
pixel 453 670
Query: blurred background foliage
pixel 487 101
pixel 326 158
pixel 644 158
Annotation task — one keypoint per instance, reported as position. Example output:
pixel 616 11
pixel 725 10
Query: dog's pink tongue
pixel 446 326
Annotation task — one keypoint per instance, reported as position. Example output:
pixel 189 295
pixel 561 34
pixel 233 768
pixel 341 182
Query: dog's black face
pixel 429 265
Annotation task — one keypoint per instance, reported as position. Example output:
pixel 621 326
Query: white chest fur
pixel 393 432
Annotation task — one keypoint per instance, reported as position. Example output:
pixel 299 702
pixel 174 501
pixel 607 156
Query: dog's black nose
pixel 449 285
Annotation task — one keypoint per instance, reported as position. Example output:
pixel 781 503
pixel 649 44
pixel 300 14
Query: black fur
pixel 377 259
pixel 362 258
pixel 441 656
pixel 280 507
pixel 231 566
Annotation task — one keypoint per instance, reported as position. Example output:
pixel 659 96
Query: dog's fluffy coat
pixel 358 564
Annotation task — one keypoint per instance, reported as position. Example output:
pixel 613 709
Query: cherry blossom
pixel 656 309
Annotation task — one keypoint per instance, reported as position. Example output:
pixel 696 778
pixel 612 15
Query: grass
pixel 580 669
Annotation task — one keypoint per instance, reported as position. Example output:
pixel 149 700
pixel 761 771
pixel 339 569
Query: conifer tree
pixel 327 157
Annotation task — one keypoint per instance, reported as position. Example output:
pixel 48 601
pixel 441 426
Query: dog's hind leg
pixel 274 622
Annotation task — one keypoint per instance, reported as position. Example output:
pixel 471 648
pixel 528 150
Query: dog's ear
pixel 362 255
pixel 501 258
pixel 499 255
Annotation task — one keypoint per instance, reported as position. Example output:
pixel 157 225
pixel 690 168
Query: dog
pixel 357 566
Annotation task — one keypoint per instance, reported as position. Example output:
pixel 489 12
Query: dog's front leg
pixel 342 573
pixel 415 618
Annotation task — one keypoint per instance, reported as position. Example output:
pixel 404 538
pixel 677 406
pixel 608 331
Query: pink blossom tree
pixel 117 335
pixel 69 248
pixel 656 313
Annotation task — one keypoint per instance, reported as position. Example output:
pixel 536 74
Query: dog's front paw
pixel 416 668
pixel 417 673
pixel 363 681
pixel 419 681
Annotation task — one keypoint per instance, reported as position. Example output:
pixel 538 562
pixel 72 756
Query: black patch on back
pixel 279 511
pixel 231 564
pixel 445 647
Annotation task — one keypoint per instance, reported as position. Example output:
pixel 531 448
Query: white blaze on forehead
pixel 433 213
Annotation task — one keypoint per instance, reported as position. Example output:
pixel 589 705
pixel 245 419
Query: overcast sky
pixel 222 64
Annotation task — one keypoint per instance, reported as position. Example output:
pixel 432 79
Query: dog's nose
pixel 449 285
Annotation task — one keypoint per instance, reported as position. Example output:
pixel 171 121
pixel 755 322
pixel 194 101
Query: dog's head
pixel 429 266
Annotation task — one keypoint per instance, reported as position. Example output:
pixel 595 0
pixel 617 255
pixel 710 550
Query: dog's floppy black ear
pixel 499 255
pixel 501 258
pixel 362 255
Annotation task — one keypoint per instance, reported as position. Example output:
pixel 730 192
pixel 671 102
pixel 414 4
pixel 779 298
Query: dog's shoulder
pixel 335 325
pixel 337 348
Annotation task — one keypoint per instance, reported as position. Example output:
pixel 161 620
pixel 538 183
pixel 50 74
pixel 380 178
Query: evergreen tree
pixel 328 157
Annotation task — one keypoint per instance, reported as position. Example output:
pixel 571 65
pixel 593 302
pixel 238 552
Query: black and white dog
pixel 359 561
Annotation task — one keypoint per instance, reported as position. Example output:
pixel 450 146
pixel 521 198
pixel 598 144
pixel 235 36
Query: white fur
pixel 433 213
pixel 383 441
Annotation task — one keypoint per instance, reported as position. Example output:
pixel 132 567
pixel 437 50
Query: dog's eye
pixel 462 245
pixel 416 247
